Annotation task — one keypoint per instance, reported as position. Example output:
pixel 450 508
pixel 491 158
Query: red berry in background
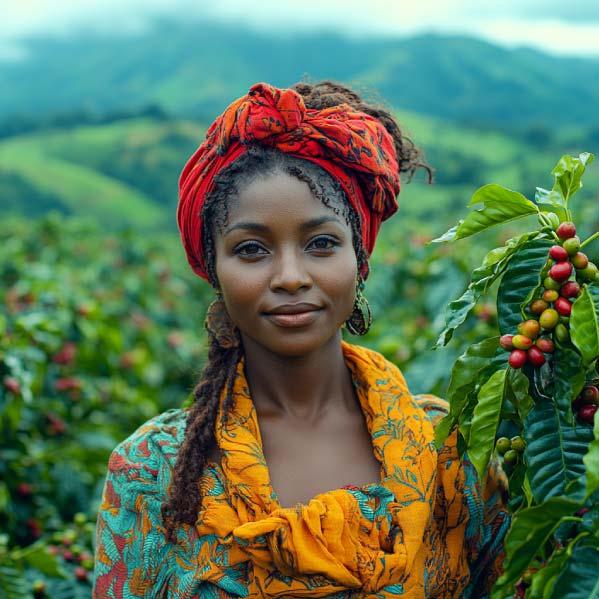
pixel 521 342
pixel 80 573
pixel 535 356
pixel 587 413
pixel 35 528
pixel 517 358
pixel 579 260
pixel 24 490
pixel 66 355
pixel 550 296
pixel 545 345
pixel 560 271
pixel 558 253
pixel 570 289
pixel 538 306
pixel 549 318
pixel 12 384
pixel 590 394
pixel 566 230
pixel 505 341
pixel 67 554
pixel 572 245
pixel 529 328
pixel 563 306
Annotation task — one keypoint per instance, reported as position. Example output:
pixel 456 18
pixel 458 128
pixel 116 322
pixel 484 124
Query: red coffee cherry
pixel 563 306
pixel 558 253
pixel 560 271
pixel 570 289
pixel 590 394
pixel 517 358
pixel 587 413
pixel 545 345
pixel 566 230
pixel 536 357
pixel 505 341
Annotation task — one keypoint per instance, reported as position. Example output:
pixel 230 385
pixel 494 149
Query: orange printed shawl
pixel 426 529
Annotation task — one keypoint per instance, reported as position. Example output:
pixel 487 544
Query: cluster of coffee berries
pixel 551 311
pixel 510 449
pixel 526 345
pixel 587 403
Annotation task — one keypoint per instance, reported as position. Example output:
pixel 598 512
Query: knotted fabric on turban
pixel 350 145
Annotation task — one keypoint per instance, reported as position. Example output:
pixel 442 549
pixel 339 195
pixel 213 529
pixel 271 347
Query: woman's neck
pixel 299 388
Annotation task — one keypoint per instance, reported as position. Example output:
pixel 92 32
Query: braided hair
pixel 218 376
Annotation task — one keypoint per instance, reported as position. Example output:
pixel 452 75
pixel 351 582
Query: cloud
pixel 545 24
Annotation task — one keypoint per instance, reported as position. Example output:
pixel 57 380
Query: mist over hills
pixel 194 69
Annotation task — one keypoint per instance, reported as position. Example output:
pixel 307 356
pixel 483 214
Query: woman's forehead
pixel 283 197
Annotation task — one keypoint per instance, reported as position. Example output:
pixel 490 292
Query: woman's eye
pixel 249 248
pixel 323 242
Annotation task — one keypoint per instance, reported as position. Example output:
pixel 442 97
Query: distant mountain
pixel 193 69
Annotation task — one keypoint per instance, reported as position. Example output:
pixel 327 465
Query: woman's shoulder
pixel 154 443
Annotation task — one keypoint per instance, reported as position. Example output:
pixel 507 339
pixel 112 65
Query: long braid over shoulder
pixel 184 493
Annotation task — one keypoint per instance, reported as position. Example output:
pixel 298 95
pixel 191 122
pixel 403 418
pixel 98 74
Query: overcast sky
pixel 556 26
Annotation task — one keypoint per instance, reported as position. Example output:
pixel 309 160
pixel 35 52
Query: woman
pixel 304 468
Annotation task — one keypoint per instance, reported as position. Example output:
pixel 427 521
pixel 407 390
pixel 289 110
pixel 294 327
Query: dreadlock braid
pixel 184 493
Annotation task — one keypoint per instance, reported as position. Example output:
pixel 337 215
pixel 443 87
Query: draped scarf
pixel 352 146
pixel 400 536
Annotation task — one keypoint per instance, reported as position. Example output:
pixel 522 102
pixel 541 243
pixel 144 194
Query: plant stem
pixel 591 238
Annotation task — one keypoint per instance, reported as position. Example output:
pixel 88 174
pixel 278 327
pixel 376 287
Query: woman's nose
pixel 290 273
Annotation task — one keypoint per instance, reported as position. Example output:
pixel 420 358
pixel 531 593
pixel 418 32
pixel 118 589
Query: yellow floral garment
pixel 426 529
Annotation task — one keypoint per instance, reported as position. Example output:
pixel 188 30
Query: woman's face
pixel 286 267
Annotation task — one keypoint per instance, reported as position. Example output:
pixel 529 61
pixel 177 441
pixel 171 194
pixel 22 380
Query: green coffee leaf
pixel 554 450
pixel 465 375
pixel 584 323
pixel 579 579
pixel 493 266
pixel 519 280
pixel 552 201
pixel 500 205
pixel 591 461
pixel 530 530
pixel 568 174
pixel 485 420
pixel 543 580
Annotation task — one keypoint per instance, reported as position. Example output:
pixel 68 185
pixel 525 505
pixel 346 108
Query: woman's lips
pixel 294 319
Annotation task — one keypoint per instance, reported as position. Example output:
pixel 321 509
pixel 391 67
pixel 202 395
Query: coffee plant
pixel 536 382
pixel 98 333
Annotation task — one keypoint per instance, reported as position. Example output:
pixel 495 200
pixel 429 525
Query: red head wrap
pixel 350 145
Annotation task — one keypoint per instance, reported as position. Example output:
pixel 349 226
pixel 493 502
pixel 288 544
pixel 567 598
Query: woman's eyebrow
pixel 305 226
pixel 247 226
pixel 321 220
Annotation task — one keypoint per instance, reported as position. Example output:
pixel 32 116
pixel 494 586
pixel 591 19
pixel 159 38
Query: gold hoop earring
pixel 219 325
pixel 360 319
